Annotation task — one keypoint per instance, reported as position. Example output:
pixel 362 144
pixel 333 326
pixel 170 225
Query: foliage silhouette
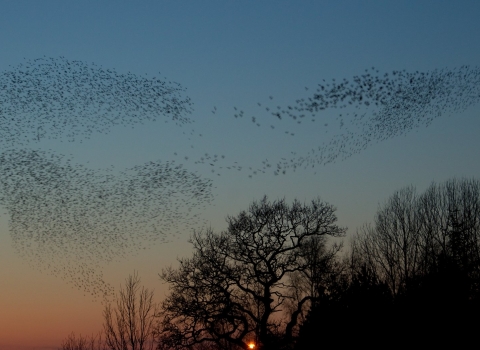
pixel 412 276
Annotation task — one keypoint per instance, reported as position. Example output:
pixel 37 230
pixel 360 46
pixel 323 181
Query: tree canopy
pixel 413 275
pixel 237 282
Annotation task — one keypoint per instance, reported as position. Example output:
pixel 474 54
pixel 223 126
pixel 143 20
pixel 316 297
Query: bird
pixel 70 220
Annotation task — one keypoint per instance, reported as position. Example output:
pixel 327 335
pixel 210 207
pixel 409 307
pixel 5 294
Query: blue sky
pixel 236 54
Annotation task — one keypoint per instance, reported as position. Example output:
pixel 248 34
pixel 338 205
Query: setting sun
pixel 251 346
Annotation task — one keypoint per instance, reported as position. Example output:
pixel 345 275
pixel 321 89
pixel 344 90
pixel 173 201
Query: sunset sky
pixel 231 56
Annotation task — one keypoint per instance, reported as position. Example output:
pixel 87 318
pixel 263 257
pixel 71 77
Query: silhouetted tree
pixel 413 275
pixel 415 268
pixel 392 244
pixel 356 312
pixel 132 323
pixel 316 281
pixel 238 280
pixel 72 342
pixel 419 235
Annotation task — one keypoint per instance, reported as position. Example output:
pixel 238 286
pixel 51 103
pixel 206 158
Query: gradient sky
pixel 235 54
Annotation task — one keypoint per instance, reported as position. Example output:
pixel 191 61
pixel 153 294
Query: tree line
pixel 277 278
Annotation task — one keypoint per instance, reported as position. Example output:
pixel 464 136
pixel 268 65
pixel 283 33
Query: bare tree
pixel 392 244
pixel 312 283
pixel 132 323
pixel 417 235
pixel 237 282
pixel 451 215
pixel 413 272
pixel 72 342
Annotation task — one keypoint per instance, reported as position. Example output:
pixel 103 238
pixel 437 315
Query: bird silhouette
pixel 70 220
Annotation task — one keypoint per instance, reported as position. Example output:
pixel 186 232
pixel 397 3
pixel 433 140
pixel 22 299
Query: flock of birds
pixel 369 108
pixel 56 98
pixel 70 220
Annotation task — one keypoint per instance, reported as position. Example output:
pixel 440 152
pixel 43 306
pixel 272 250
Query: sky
pixel 232 61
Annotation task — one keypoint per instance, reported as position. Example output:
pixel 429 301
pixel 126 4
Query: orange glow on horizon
pixel 251 346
